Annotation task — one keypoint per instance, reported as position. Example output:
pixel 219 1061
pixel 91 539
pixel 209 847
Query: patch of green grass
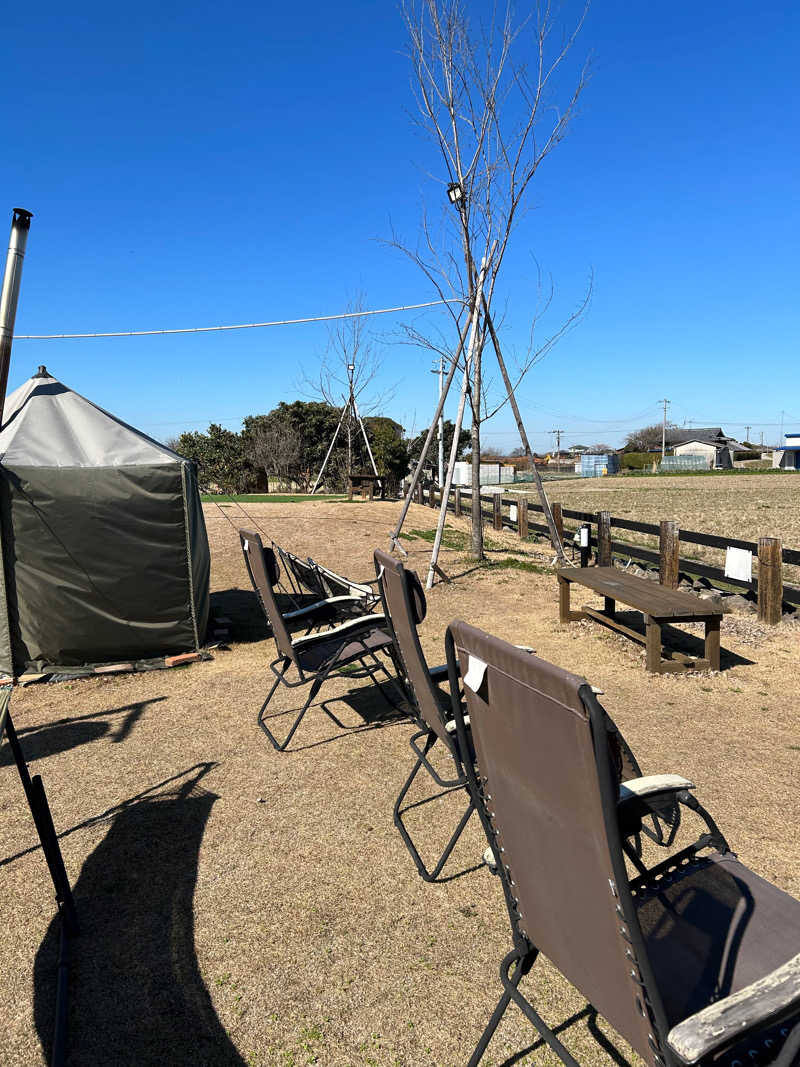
pixel 455 539
pixel 511 564
pixel 265 498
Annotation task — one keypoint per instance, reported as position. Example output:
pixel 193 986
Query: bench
pixel 658 604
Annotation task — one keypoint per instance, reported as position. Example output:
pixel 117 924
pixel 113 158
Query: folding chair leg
pixel 427 875
pixel 500 1010
pixel 510 984
pixel 280 746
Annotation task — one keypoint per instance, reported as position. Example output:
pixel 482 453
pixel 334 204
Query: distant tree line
pixel 286 447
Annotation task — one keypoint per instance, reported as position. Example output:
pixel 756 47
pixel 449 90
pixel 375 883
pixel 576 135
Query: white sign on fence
pixel 512 511
pixel 739 564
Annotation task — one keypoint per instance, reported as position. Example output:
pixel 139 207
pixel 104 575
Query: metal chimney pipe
pixel 20 224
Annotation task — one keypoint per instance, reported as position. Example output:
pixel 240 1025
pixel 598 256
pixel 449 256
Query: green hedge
pixel 637 461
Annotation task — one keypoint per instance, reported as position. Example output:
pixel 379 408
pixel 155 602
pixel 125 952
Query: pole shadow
pixel 137 995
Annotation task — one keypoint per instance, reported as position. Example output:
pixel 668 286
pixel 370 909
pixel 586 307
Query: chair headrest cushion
pixel 271 566
pixel 416 597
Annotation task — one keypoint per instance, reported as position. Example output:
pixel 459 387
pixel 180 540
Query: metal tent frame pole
pixel 395 534
pixel 456 432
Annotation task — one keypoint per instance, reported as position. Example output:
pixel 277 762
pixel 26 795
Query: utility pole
pixel 664 429
pixel 762 438
pixel 747 434
pixel 558 434
pixel 440 372
pixel 780 439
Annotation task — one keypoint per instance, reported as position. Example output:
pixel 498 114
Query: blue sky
pixel 191 166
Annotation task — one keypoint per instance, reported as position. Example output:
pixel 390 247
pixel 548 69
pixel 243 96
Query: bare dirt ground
pixel 241 906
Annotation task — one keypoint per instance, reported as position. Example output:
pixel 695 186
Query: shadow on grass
pixel 48 739
pixel 363 709
pixel 588 1013
pixel 137 995
pixel 675 639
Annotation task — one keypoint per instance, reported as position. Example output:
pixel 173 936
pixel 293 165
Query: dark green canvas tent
pixel 104 546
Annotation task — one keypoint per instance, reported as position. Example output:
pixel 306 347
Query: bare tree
pixel 486 97
pixel 346 379
pixel 277 449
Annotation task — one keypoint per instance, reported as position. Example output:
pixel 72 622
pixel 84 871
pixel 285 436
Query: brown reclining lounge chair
pixel 404 607
pixel 314 656
pixel 694 960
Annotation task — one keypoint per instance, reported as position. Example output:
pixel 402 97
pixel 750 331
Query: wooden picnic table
pixel 658 603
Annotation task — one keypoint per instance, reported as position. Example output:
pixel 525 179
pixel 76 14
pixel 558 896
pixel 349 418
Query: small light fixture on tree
pixel 455 193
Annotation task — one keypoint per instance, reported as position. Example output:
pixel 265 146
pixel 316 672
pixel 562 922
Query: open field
pixel 241 906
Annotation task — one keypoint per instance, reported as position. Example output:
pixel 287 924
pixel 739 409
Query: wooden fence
pixel 768 585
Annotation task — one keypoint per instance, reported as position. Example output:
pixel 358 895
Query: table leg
pixel 712 643
pixel 653 645
pixel 610 606
pixel 564 613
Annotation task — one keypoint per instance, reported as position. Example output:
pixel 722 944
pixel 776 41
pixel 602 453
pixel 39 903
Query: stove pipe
pixel 9 295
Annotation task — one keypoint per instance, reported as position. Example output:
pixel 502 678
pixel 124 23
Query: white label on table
pixel 476 670
pixel 739 564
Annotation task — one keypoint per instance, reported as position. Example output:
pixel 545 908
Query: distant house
pixel 788 457
pixel 707 441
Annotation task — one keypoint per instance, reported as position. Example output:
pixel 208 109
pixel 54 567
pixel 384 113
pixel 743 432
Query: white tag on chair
pixel 246 544
pixel 475 673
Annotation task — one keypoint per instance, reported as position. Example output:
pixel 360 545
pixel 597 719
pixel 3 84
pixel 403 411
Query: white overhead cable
pixel 240 326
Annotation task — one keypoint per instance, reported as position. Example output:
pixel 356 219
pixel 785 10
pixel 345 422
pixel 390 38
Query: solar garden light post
pixel 20 224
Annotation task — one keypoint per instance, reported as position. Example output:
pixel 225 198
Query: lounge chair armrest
pixel 352 627
pixel 762 1003
pixel 438 674
pixel 652 785
pixel 330 604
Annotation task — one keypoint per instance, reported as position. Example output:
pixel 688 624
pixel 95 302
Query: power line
pixel 240 326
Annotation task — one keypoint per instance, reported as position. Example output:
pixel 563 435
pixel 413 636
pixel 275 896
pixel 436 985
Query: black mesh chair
pixel 310 609
pixel 314 656
pixel 43 820
pixel 694 959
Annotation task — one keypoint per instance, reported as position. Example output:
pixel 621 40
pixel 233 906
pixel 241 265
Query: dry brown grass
pixel 745 506
pixel 268 913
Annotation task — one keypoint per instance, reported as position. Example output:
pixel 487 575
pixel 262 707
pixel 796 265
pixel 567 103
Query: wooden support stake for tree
pixel 558 519
pixel 457 502
pixel 770 580
pixel 522 518
pixel 349 488
pixel 497 511
pixel 669 544
pixel 604 539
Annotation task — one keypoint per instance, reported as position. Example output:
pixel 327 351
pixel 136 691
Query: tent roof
pixel 46 424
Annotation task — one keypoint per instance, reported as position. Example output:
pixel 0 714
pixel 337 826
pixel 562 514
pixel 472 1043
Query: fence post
pixel 497 510
pixel 420 493
pixel 457 502
pixel 604 539
pixel 558 519
pixel 770 580
pixel 669 551
pixel 370 490
pixel 522 517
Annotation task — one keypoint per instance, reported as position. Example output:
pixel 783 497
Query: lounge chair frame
pixel 48 839
pixel 354 642
pixel 420 683
pixel 622 815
